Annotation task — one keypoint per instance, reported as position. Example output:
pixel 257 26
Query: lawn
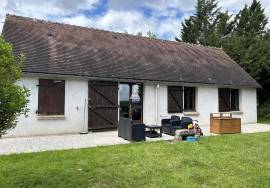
pixel 217 161
pixel 263 120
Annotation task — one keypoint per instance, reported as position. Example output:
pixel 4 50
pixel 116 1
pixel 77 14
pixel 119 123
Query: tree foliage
pixel 207 26
pixel 13 98
pixel 244 37
pixel 151 35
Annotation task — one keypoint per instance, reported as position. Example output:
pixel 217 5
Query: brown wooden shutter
pixel 235 99
pixel 224 99
pixel 175 99
pixel 51 97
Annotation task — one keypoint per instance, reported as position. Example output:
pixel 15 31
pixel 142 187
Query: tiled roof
pixel 55 48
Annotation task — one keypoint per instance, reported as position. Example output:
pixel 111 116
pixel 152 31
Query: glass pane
pixel 124 100
pixel 189 97
pixel 136 102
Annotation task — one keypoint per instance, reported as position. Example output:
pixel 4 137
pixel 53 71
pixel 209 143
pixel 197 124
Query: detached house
pixel 82 78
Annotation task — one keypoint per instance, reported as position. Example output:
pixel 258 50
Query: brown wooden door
pixel 102 105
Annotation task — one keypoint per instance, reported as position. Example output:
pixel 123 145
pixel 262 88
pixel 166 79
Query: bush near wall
pixel 264 110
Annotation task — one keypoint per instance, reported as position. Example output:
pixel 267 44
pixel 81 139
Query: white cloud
pixel 43 9
pixel 129 21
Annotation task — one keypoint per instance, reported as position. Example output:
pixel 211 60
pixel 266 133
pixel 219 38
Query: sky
pixel 163 17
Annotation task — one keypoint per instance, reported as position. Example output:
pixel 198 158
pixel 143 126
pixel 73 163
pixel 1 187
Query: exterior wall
pixel 206 103
pixel 154 108
pixel 76 92
pixel 248 105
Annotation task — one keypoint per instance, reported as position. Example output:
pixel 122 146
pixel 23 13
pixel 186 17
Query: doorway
pixel 131 101
pixel 102 105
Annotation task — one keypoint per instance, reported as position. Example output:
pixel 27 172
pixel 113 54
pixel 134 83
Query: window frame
pixel 51 97
pixel 192 90
pixel 234 104
pixel 181 107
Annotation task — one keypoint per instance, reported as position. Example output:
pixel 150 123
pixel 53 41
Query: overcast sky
pixel 163 17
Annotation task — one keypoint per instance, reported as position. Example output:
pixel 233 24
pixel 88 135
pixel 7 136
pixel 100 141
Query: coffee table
pixel 152 131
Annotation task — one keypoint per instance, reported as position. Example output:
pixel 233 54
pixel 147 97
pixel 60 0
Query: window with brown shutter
pixel 51 97
pixel 228 99
pixel 189 98
pixel 175 99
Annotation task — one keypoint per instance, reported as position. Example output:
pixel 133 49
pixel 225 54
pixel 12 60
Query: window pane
pixel 235 99
pixel 136 102
pixel 124 100
pixel 189 98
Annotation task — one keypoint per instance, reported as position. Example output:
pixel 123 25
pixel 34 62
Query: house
pixel 82 78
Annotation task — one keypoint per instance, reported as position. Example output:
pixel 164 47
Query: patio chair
pixel 130 130
pixel 169 126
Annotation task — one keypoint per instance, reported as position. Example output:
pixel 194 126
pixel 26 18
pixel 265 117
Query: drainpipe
pixel 84 131
pixel 157 104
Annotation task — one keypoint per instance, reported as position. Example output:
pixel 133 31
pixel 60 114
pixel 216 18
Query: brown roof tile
pixel 73 50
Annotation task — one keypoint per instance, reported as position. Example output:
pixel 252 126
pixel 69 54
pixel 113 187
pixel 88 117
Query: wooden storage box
pixel 222 123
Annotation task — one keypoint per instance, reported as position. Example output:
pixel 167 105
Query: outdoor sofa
pixel 169 126
pixel 131 130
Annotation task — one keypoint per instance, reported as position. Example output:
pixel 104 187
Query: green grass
pixel 263 120
pixel 217 161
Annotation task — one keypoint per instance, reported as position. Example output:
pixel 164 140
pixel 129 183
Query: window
pixel 228 99
pixel 176 97
pixel 189 98
pixel 51 97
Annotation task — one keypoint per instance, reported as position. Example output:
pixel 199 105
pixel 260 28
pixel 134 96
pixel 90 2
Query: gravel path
pixel 72 141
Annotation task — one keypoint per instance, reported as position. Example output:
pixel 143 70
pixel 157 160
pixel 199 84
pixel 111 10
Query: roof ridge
pixel 107 31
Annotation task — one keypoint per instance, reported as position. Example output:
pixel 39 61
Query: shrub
pixel 264 110
pixel 13 98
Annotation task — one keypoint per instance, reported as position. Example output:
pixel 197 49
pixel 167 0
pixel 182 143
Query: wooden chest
pixel 221 124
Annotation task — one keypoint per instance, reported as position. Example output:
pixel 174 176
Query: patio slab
pixel 73 141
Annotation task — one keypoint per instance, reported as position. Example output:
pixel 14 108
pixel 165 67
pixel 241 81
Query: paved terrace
pixel 74 141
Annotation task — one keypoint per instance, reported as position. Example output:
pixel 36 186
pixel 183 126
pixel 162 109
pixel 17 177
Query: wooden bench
pixel 222 123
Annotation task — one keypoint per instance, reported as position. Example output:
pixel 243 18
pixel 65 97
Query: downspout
pixel 84 131
pixel 157 104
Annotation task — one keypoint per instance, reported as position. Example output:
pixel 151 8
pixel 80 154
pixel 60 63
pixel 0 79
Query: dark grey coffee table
pixel 152 133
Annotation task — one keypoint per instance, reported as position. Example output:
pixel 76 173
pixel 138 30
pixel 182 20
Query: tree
pixel 13 98
pixel 249 46
pixel 202 28
pixel 251 20
pixel 245 39
pixel 151 35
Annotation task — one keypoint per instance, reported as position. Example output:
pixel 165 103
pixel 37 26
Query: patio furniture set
pixel 220 123
pixel 136 131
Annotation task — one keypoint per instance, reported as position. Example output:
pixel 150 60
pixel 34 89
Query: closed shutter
pixel 175 99
pixel 224 99
pixel 51 97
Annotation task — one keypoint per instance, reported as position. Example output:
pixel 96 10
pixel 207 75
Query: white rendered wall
pixel 206 103
pixel 248 105
pixel 76 91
